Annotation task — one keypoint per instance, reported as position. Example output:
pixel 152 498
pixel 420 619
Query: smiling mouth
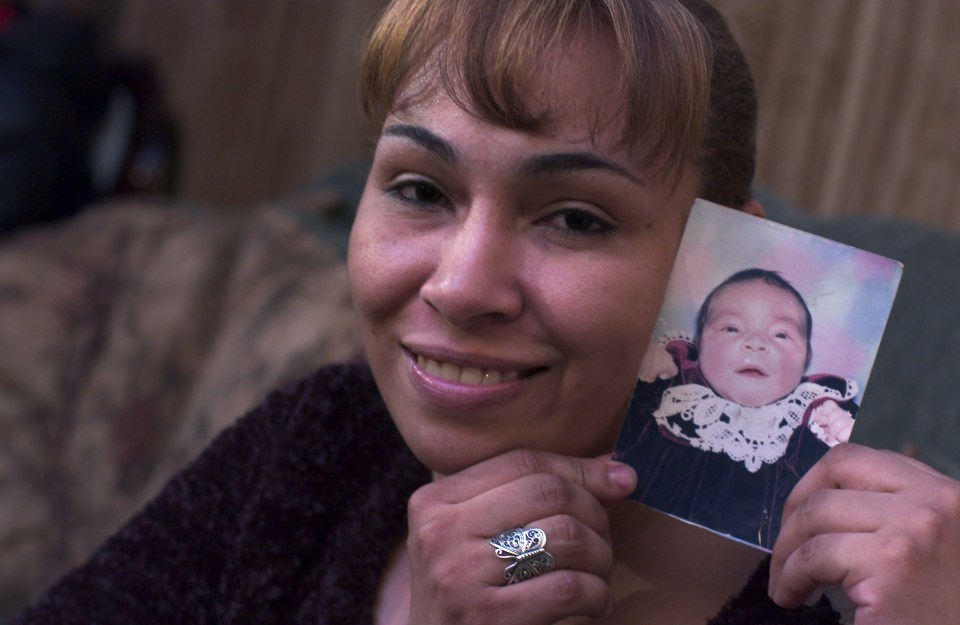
pixel 471 375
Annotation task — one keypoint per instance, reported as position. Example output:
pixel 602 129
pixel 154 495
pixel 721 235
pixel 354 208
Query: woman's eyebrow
pixel 425 139
pixel 539 165
pixel 560 163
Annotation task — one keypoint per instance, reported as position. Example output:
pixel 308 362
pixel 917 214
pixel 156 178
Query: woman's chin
pixel 448 460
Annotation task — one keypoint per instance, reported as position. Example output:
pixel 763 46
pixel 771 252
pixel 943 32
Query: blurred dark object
pixel 135 149
pixel 53 92
pixel 74 127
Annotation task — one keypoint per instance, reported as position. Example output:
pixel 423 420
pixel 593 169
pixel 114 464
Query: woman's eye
pixel 579 222
pixel 418 191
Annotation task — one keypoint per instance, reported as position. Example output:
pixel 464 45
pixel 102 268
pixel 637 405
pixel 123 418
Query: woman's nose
pixel 476 275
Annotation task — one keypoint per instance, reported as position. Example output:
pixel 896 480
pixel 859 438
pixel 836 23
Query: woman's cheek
pixel 610 307
pixel 383 264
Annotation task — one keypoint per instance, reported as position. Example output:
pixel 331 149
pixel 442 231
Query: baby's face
pixel 753 349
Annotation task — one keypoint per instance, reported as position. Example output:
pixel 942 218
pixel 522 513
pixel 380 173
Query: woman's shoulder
pixel 339 405
pixel 333 391
pixel 330 408
pixel 259 498
pixel 335 382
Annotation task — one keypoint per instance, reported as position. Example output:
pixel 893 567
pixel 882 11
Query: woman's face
pixel 507 283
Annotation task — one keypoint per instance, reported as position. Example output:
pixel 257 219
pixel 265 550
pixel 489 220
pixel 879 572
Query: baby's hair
pixel 772 278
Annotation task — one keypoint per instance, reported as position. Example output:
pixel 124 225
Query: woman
pixel 529 188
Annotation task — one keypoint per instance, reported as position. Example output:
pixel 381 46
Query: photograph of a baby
pixel 731 407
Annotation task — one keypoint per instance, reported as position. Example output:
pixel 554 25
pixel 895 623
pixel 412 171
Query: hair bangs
pixel 485 55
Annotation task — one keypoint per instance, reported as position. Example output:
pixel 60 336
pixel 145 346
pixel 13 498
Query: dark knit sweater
pixel 288 517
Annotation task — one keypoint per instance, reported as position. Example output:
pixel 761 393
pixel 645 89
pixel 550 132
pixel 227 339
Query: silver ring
pixel 527 548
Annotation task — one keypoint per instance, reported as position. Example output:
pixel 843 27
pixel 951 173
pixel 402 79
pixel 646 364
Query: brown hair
pixel 482 53
pixel 728 156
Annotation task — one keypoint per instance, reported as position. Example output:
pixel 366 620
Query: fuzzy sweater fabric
pixel 288 517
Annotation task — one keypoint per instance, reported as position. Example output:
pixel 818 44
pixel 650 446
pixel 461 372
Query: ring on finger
pixel 527 548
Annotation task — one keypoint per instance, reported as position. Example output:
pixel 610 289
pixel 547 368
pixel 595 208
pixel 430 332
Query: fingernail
pixel 622 476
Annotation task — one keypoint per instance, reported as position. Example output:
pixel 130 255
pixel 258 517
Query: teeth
pixel 466 375
pixel 492 377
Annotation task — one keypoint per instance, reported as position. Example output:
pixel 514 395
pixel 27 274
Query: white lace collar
pixel 751 436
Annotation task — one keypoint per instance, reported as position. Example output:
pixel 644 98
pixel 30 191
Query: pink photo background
pixel 849 291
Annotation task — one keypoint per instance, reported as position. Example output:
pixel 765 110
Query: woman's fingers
pixel 864 511
pixel 824 559
pixel 531 497
pixel 572 545
pixel 575 523
pixel 456 571
pixel 471 578
pixel 552 598
pixel 853 467
pixel 825 531
pixel 884 527
pixel 603 477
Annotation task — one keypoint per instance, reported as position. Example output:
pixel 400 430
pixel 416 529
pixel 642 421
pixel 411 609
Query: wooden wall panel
pixel 860 99
pixel 264 89
pixel 860 103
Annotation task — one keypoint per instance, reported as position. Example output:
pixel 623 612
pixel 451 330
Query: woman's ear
pixel 753 207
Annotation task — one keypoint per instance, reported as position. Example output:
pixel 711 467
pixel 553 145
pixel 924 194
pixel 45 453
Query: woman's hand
pixel 456 576
pixel 884 527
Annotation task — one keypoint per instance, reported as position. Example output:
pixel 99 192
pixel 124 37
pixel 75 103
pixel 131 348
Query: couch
pixel 130 336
